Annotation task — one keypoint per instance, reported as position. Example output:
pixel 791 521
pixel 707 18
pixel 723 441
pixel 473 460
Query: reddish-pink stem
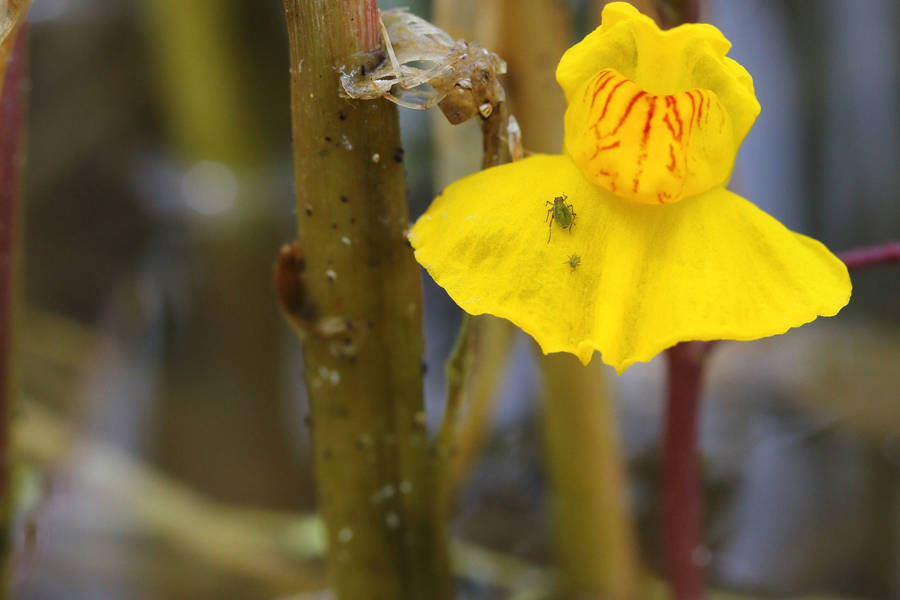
pixel 690 11
pixel 871 256
pixel 681 501
pixel 364 21
pixel 12 116
pixel 681 481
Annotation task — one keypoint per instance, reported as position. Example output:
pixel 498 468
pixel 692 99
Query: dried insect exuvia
pixel 424 66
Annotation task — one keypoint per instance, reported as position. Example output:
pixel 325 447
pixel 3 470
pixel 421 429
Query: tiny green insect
pixel 562 213
pixel 574 261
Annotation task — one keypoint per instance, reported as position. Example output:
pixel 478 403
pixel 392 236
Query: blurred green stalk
pixel 358 299
pixel 195 62
pixel 481 352
pixel 13 48
pixel 594 534
pixel 222 364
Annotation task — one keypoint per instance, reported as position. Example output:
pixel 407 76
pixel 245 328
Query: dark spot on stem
pixel 327 138
pixel 344 199
pixel 308 312
pixel 342 115
pixel 398 154
pixel 334 224
pixel 308 210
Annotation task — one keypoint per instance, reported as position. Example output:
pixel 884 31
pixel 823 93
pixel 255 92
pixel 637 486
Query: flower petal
pixel 651 149
pixel 662 62
pixel 710 267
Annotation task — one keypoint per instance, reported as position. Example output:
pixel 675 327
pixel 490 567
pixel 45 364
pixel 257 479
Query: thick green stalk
pixel 358 301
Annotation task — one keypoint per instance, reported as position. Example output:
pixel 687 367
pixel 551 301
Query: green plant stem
pixel 229 347
pixel 362 308
pixel 471 384
pixel 484 355
pixel 194 58
pixel 592 527
pixel 12 124
pixel 595 539
pixel 480 353
pixel 494 139
pixel 458 366
pixel 478 357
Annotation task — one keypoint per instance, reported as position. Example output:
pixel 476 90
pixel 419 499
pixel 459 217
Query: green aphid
pixel 562 213
pixel 574 261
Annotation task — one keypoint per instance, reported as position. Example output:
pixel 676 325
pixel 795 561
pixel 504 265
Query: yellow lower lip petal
pixel 710 267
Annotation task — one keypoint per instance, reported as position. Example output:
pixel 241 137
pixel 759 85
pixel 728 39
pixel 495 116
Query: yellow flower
pixel 664 252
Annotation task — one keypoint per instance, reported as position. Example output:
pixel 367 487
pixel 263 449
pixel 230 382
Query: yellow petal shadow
pixel 709 267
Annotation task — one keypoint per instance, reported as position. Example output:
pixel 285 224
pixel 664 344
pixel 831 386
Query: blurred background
pixel 162 440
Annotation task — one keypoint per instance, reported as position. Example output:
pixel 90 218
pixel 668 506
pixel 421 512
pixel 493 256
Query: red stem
pixel 681 502
pixel 871 256
pixel 690 11
pixel 12 116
